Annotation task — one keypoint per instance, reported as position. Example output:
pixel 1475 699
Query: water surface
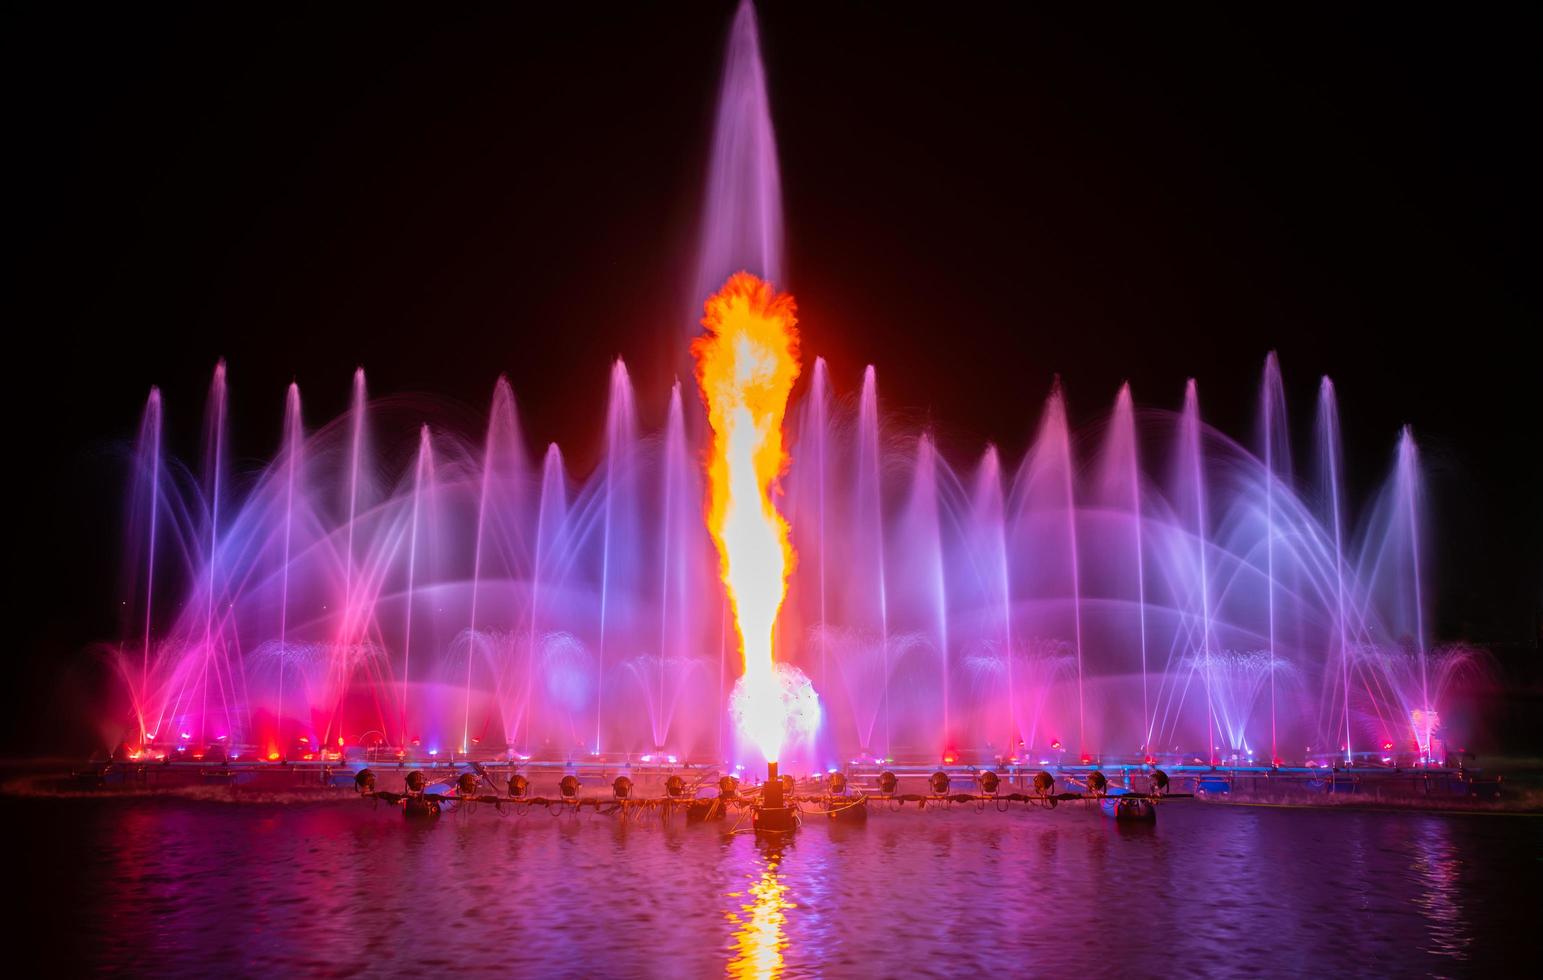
pixel 169 886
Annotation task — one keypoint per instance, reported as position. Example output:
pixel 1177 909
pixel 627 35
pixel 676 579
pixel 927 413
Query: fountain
pixel 1150 591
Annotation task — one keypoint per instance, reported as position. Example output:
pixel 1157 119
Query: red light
pixel 1086 758
pixel 340 741
pixel 273 757
pixel 1387 746
pixel 1056 745
pixel 1149 760
pixel 305 738
pixel 949 758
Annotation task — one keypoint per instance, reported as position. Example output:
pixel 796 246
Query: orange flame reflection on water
pixel 759 941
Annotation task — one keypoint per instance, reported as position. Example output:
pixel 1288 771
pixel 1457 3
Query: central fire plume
pixel 746 364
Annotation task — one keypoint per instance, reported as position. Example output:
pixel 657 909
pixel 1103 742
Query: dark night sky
pixel 975 201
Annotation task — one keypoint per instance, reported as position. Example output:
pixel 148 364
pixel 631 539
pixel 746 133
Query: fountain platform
pixel 661 786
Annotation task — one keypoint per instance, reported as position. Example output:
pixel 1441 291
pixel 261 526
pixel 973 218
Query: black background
pixel 975 201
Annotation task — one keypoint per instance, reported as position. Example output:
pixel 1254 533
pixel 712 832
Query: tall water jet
pixel 1276 446
pixel 214 456
pixel 680 512
pixel 498 504
pixel 1046 569
pixel 1190 479
pixel 869 564
pixel 928 504
pixel 145 510
pixel 988 524
pixel 352 623
pixel 1408 479
pixel 811 501
pixel 742 210
pixel 917 590
pixel 618 503
pixel 551 516
pixel 1330 464
pixel 1120 485
pixel 422 477
pixel 294 440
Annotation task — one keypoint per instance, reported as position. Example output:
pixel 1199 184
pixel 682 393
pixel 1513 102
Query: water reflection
pixel 298 889
pixel 1437 869
pixel 759 940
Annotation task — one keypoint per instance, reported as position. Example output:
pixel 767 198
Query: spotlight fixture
pixel 1097 783
pixel 364 781
pixel 838 784
pixel 939 781
pixel 518 785
pixel 887 782
pixel 622 787
pixel 728 787
pixel 416 781
pixel 466 784
pixel 1044 783
pixel 675 787
pixel 569 786
pixel 989 782
pixel 1159 781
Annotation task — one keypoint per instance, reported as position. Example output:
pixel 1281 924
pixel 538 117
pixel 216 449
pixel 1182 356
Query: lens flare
pixel 746 364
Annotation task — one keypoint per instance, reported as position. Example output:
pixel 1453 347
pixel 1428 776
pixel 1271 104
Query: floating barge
pixel 1135 787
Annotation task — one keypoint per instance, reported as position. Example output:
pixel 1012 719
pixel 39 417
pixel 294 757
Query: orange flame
pixel 746 364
